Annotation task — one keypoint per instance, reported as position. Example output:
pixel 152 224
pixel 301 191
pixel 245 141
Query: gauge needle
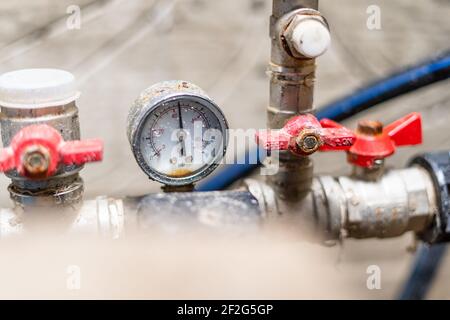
pixel 181 136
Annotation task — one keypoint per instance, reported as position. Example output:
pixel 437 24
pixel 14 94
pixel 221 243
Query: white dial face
pixel 181 138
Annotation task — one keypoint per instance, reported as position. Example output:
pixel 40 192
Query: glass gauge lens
pixel 181 136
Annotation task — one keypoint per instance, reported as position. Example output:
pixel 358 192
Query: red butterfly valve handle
pixel 36 152
pixel 375 143
pixel 304 135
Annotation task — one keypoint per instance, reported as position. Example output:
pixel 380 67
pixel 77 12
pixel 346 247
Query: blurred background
pixel 122 47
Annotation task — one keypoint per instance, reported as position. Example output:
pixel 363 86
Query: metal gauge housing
pixel 178 135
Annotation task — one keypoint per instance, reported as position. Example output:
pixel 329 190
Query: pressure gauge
pixel 178 135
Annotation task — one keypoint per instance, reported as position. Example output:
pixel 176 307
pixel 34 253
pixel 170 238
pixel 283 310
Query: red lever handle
pixel 406 131
pixel 375 143
pixel 304 135
pixel 36 152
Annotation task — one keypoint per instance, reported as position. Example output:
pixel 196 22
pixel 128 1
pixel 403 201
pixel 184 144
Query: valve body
pixel 41 97
pixel 65 186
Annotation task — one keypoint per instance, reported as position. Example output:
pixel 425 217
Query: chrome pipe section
pixel 400 201
pixel 227 211
pixel 336 208
pixel 292 78
pixel 348 207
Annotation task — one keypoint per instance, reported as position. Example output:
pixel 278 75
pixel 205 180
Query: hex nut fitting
pixel 36 161
pixel 308 141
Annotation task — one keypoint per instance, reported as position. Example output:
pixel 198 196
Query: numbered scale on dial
pixel 178 135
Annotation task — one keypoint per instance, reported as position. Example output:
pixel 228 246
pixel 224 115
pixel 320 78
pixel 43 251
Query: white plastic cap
pixel 37 88
pixel 311 38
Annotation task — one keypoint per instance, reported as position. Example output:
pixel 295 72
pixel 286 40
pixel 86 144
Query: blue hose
pixel 410 79
pixel 224 178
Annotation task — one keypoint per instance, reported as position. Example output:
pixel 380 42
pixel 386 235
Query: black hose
pixel 397 84
pixel 424 269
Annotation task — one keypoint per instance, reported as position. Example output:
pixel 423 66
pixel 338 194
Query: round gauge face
pixel 182 139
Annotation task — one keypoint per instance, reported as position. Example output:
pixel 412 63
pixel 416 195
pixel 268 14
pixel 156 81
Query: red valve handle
pixel 36 152
pixel 375 143
pixel 304 135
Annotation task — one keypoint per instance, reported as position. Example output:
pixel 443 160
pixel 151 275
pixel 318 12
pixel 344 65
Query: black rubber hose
pixel 424 269
pixel 397 84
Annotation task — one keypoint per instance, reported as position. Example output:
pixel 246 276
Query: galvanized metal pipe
pixel 337 207
pixel 400 201
pixel 227 211
pixel 291 93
